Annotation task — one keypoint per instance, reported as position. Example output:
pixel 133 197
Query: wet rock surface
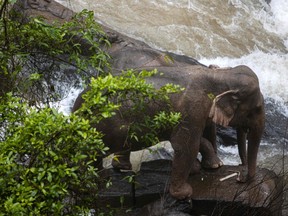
pixel 263 196
pixel 276 125
pixel 50 10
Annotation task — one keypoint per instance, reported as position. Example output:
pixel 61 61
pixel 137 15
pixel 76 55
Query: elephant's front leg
pixel 254 135
pixel 241 141
pixel 186 147
pixel 253 146
pixel 254 139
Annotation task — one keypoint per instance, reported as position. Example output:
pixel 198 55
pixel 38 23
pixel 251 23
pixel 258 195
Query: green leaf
pixel 35 76
pixel 49 177
pixel 41 175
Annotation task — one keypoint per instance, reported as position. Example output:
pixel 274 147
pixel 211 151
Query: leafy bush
pixel 136 100
pixel 36 57
pixel 47 161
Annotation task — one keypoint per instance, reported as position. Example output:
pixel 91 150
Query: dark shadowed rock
pixel 263 196
pixel 120 192
pixel 276 122
pixel 211 196
pixel 226 136
pixel 152 181
pixel 50 10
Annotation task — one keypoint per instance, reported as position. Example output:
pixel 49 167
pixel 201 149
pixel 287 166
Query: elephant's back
pixel 182 76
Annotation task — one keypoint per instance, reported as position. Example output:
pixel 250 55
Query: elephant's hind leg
pixel 209 158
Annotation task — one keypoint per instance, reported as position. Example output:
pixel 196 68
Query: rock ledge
pixel 262 197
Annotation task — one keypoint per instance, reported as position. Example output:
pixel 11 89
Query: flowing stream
pixel 226 33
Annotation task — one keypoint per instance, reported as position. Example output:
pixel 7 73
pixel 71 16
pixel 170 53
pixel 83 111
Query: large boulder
pixel 50 10
pixel 126 52
pixel 263 196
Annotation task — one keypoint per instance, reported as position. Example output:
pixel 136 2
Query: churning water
pixel 222 32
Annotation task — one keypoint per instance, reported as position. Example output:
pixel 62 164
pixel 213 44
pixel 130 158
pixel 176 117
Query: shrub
pixel 37 59
pixel 131 95
pixel 46 161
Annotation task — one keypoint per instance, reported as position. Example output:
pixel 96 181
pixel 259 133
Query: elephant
pixel 116 139
pixel 228 97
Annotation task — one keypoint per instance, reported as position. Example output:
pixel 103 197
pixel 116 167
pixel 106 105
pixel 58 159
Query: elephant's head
pixel 242 106
pixel 230 108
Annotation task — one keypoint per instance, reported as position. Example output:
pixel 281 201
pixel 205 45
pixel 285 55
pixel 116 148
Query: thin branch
pixel 3 8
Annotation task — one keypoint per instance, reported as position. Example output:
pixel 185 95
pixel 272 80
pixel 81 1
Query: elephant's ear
pixel 224 107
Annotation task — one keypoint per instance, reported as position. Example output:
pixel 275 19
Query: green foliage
pixel 33 53
pixel 153 126
pixel 137 102
pixel 46 161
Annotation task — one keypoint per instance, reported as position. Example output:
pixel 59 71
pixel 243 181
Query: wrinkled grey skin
pixel 228 97
pixel 115 130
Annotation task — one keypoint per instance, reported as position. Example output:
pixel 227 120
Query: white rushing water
pixel 226 33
